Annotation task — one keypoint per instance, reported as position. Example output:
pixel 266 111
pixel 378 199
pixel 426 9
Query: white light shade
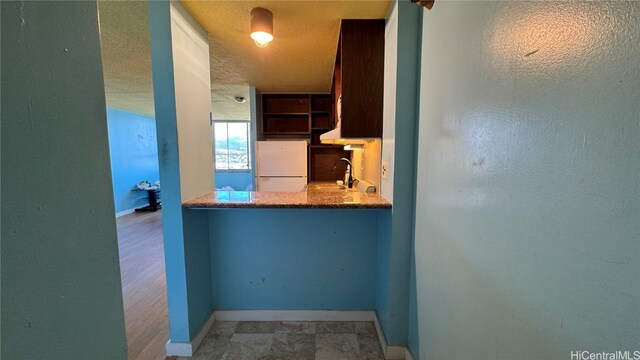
pixel 261 26
pixel 261 38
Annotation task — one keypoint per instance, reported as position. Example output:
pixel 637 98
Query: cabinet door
pixel 362 77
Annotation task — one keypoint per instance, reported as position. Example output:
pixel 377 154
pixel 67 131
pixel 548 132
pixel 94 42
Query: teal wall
pixel 167 129
pixel 528 198
pixel 396 231
pixel 134 156
pixel 294 259
pixel 186 236
pixel 61 294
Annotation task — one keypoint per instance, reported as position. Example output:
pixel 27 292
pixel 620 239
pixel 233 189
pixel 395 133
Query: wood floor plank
pixel 144 287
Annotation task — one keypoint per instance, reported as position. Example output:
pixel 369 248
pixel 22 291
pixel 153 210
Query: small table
pixel 154 203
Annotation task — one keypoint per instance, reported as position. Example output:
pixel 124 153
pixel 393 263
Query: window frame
pixel 227 122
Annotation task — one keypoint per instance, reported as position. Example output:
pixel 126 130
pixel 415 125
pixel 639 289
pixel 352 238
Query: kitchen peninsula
pixel 326 248
pixel 318 195
pixel 322 254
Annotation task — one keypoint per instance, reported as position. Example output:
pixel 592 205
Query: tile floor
pixel 300 340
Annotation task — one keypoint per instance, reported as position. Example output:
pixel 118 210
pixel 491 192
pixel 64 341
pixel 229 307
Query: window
pixel 231 145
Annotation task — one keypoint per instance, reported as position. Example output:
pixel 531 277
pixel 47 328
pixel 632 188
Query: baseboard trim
pixel 293 315
pixel 391 352
pixel 125 212
pixel 188 349
pixel 178 349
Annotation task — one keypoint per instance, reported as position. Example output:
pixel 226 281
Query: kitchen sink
pixel 329 187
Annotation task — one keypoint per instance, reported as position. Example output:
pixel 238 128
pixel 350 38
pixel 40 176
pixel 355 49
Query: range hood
pixel 335 137
pixel 331 137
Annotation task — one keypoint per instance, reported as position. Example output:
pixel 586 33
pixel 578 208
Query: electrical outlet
pixel 385 166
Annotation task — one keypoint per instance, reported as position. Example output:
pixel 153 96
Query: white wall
pixel 193 103
pixel 366 163
pixel 528 198
pixel 389 110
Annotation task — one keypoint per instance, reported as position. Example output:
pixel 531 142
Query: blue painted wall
pixel 294 258
pixel 134 156
pixel 198 268
pixel 61 290
pixel 186 234
pixel 396 231
pixel 237 180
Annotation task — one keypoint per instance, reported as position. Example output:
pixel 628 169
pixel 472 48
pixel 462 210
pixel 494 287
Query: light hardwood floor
pixel 144 287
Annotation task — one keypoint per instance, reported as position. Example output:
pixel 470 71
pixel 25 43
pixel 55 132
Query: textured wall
pixel 528 211
pixel 61 295
pixel 284 259
pixel 134 156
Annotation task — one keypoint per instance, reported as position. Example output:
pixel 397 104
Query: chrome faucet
pixel 350 182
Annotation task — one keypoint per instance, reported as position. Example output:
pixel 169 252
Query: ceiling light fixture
pixel 240 99
pixel 261 26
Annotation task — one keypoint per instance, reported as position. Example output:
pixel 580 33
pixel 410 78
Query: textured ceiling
pixel 300 58
pixel 223 105
pixel 126 55
pixel 302 54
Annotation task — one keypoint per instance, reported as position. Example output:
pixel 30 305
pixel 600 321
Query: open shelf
pixel 321 121
pixel 286 114
pixel 305 116
pixel 285 103
pixel 286 133
pixel 289 124
pixel 321 102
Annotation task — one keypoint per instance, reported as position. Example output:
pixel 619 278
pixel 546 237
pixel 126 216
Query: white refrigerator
pixel 281 166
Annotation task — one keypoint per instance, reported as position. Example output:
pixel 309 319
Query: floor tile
pixel 248 347
pixel 212 348
pixel 293 346
pixel 295 327
pixel 369 347
pixel 300 340
pixel 223 327
pixel 256 327
pixel 337 346
pixel 365 327
pixel 335 327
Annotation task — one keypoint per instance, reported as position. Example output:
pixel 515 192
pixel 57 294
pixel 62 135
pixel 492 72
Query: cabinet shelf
pixel 285 114
pixel 286 133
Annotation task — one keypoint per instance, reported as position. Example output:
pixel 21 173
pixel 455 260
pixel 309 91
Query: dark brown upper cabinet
pixel 359 78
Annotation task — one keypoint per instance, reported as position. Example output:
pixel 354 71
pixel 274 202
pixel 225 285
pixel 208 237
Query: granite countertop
pixel 318 195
